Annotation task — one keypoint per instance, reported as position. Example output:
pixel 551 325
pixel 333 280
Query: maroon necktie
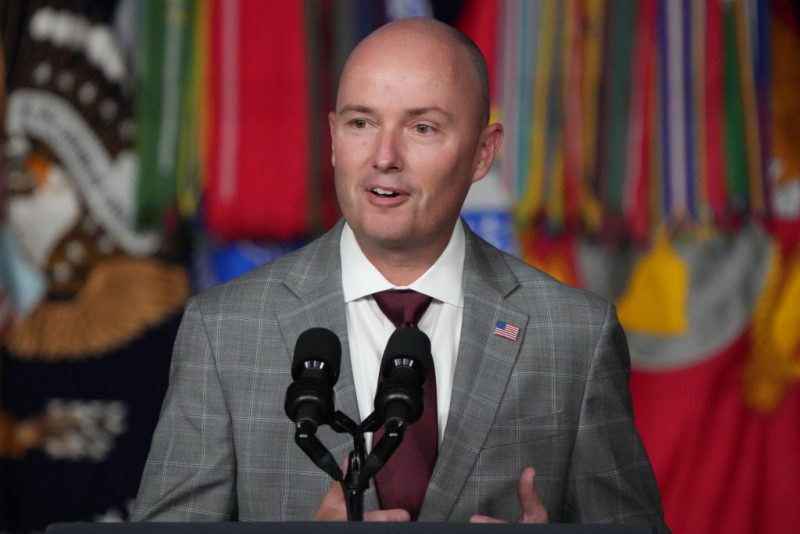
pixel 402 482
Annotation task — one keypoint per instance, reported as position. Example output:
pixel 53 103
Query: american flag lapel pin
pixel 506 330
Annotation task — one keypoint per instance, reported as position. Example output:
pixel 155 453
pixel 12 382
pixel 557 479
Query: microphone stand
pixel 361 467
pixel 401 401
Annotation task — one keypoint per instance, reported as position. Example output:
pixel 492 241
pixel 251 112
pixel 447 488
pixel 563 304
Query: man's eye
pixel 424 128
pixel 359 123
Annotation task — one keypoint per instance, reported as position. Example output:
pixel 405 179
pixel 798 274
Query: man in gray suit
pixel 534 411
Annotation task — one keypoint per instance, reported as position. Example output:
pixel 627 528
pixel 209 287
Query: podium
pixel 302 527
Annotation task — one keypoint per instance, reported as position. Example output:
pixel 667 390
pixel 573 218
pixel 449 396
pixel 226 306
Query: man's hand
pixel 333 508
pixel 533 510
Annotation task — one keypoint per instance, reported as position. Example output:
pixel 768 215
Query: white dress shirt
pixel 368 329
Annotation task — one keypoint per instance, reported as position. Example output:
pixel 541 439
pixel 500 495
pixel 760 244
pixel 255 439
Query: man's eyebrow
pixel 415 112
pixel 355 108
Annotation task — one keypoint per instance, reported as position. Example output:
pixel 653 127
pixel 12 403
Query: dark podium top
pixel 290 527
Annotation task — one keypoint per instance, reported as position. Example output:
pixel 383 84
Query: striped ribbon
pixel 573 124
pixel 735 143
pixel 762 73
pixel 616 104
pixel 194 118
pixel 530 30
pixel 512 75
pixel 161 109
pixel 590 87
pixel 531 202
pixel 745 41
pixel 714 100
pixel 638 144
pixel 701 211
pixel 258 151
pixel 677 169
pixel 690 137
pixel 553 178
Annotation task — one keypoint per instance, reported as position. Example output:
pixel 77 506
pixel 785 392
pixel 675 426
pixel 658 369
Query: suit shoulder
pixel 535 281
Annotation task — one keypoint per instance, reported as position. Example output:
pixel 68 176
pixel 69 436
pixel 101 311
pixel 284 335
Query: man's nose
pixel 388 155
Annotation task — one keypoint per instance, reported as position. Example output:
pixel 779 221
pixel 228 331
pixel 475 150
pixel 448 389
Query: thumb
pixel 533 510
pixel 332 507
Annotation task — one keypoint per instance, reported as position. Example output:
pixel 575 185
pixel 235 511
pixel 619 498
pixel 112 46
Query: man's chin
pixel 390 236
pixel 390 239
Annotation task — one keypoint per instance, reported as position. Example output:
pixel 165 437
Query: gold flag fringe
pixel 775 360
pixel 122 297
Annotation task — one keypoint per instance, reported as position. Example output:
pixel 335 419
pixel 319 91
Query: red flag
pixel 721 466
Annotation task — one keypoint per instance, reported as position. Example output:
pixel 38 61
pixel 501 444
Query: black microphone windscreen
pixel 320 345
pixel 408 342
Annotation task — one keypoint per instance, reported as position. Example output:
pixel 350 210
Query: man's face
pixel 406 143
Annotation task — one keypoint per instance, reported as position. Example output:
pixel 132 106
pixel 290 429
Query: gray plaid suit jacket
pixel 556 399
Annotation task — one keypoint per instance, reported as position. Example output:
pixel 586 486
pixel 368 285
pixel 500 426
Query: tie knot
pixel 403 307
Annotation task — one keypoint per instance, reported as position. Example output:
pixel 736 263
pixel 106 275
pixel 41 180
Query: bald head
pixel 410 135
pixel 435 38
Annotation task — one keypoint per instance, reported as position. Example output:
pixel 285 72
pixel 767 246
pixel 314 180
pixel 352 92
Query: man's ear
pixel 332 126
pixel 488 145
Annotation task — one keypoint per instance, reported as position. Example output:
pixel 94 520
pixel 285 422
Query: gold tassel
pixel 656 300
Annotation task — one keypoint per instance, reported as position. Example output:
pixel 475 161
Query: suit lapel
pixel 483 368
pixel 316 281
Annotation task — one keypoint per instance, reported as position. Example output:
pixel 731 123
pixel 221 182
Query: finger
pixel 533 510
pixel 395 514
pixel 484 519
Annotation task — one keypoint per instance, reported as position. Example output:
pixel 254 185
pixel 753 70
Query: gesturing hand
pixel 533 510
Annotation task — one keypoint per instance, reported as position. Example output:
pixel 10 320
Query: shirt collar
pixel 442 281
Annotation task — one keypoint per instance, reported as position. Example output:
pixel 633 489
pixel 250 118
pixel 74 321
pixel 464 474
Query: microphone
pixel 399 400
pixel 315 369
